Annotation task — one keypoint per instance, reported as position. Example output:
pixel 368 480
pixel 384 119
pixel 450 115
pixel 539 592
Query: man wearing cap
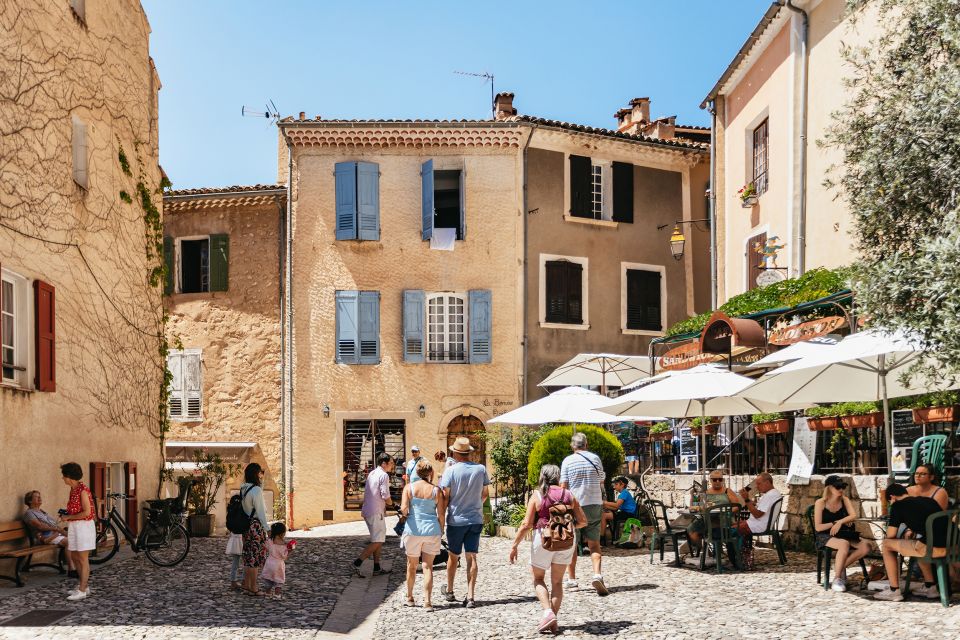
pixel 410 467
pixel 582 473
pixel 912 512
pixel 465 486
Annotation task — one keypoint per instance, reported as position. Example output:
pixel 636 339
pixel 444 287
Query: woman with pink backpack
pixel 553 514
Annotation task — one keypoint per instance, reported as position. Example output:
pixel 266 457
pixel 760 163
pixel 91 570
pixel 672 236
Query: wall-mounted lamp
pixel 423 411
pixel 326 411
pixel 677 239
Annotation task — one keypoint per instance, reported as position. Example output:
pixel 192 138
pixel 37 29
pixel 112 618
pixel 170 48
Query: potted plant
pixel 661 431
pixel 707 424
pixel 823 418
pixel 210 475
pixel 748 195
pixel 860 415
pixel 766 424
pixel 936 407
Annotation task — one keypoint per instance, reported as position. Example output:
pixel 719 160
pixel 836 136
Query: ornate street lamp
pixel 677 239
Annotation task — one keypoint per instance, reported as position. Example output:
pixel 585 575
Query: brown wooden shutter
pixel 581 187
pixel 556 289
pixel 98 487
pixel 574 283
pixel 754 259
pixel 643 300
pixel 622 192
pixel 133 510
pixel 45 314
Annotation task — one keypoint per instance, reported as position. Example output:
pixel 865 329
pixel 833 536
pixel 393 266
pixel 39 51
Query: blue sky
pixel 573 61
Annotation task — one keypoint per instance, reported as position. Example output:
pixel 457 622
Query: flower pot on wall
pixel 748 202
pixel 711 429
pixel 936 414
pixel 865 421
pixel 201 525
pixel 661 437
pixel 823 424
pixel 770 428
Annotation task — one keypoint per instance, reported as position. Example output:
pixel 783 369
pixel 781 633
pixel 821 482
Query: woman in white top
pixel 538 515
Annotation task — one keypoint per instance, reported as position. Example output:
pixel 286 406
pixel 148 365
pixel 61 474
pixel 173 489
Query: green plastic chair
pixel 929 449
pixel 721 524
pixel 825 556
pixel 663 531
pixel 773 530
pixel 941 563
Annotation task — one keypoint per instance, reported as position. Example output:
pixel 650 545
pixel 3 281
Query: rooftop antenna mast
pixel 270 112
pixel 487 77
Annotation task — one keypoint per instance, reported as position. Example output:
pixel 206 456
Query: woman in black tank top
pixel 833 518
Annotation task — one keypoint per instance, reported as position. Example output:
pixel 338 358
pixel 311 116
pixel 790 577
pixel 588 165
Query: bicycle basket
pixel 160 512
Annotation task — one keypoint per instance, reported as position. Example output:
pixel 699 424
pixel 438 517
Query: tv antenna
pixel 487 77
pixel 270 112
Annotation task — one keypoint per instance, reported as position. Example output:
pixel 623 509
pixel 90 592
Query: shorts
pixel 55 539
pixel 464 538
pixel 594 513
pixel 416 546
pixel 82 535
pixel 542 559
pixel 631 459
pixel 377 527
pixel 913 548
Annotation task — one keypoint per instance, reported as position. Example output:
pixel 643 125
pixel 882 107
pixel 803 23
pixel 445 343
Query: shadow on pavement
pixel 599 627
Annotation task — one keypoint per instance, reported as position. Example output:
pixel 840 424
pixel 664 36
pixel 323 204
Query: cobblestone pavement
pixel 662 601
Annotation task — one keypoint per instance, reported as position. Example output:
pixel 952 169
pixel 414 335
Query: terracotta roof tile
pixel 224 190
pixel 605 132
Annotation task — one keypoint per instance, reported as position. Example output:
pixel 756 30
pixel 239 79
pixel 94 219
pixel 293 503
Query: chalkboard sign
pixel 905 432
pixel 688 451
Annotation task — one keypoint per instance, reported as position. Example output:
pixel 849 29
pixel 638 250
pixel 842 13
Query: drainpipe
pixel 801 215
pixel 289 345
pixel 281 256
pixel 713 203
pixel 526 267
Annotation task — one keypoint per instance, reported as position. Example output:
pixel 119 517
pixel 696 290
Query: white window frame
pixel 606 178
pixel 23 311
pixel 639 266
pixel 463 296
pixel 185 417
pixel 584 292
pixel 178 265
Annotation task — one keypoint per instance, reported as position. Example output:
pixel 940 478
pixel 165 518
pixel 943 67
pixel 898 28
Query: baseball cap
pixel 414 448
pixel 835 481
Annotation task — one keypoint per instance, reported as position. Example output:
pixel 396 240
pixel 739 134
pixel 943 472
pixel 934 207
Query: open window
pixel 443 204
pixel 600 189
pixel 14 329
pixel 197 264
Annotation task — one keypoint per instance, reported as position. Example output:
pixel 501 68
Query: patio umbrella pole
pixel 887 427
pixel 703 445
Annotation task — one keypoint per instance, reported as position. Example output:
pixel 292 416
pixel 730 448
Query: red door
pixel 98 486
pixel 133 510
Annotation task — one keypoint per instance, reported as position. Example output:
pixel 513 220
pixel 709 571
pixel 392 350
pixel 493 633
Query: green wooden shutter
pixel 345 189
pixel 168 256
pixel 463 206
pixel 413 316
pixel 219 262
pixel 347 350
pixel 368 201
pixel 481 325
pixel 580 187
pixel 369 327
pixel 622 192
pixel 426 200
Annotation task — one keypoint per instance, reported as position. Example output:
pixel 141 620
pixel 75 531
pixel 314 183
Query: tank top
pixel 832 516
pixel 423 520
pixel 556 495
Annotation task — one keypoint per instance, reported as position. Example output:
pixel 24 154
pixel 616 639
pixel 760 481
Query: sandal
pixel 253 593
pixel 410 603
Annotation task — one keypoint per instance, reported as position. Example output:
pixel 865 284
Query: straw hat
pixel 461 445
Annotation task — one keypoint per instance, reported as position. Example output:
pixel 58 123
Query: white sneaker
pixel 930 592
pixel 839 585
pixel 571 585
pixel 889 594
pixel 79 595
pixel 599 586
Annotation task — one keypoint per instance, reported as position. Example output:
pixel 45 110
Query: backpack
pixel 559 533
pixel 237 519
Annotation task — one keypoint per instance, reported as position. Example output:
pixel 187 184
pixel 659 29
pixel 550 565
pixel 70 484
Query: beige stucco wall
pixel 108 373
pixel 768 87
pixel 487 259
pixel 238 330
pixel 668 186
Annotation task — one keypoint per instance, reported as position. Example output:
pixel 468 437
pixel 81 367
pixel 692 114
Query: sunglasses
pixel 921 473
pixel 716 479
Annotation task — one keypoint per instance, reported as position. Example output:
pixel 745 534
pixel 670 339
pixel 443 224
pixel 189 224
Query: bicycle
pixel 163 537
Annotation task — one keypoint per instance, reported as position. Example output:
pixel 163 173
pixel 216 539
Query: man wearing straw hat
pixel 466 486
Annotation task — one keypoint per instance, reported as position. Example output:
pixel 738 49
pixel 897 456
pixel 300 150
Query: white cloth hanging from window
pixel 443 239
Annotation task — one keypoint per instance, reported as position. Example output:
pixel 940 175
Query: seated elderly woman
pixel 717 493
pixel 833 518
pixel 43 524
pixel 617 511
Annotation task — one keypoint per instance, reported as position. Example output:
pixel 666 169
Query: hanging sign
pixel 806 330
pixel 686 356
pixel 804 450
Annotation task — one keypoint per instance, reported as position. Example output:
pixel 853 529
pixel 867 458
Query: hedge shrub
pixel 554 445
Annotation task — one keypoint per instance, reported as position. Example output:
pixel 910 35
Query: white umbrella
pixel 856 369
pixel 571 404
pixel 599 370
pixel 797 351
pixel 704 390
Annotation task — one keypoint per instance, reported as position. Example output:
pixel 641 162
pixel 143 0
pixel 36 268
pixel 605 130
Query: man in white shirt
pixel 376 499
pixel 759 511
pixel 582 473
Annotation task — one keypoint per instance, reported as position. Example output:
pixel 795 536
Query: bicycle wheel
pixel 166 546
pixel 108 543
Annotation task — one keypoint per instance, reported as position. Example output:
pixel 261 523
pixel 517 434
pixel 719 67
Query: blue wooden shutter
pixel 368 201
pixel 426 196
pixel 347 335
pixel 413 314
pixel 369 327
pixel 463 207
pixel 481 314
pixel 346 193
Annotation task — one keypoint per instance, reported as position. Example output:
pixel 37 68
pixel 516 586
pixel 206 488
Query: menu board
pixel 905 432
pixel 689 446
pixel 804 450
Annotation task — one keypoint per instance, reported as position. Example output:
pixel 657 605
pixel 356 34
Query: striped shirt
pixel 583 474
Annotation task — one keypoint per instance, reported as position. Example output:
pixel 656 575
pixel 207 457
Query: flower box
pixel 936 414
pixel 823 424
pixel 661 437
pixel 711 429
pixel 770 428
pixel 864 421
pixel 748 202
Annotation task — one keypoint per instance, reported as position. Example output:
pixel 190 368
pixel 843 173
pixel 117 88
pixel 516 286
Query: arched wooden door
pixel 472 428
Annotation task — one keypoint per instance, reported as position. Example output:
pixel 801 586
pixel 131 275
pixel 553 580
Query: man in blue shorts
pixel 466 487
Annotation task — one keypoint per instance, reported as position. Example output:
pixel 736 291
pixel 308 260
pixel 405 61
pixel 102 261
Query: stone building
pixel 80 221
pixel 773 105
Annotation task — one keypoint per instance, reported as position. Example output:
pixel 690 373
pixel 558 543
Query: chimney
pixel 662 128
pixel 303 115
pixel 503 106
pixel 623 119
pixel 632 118
pixel 641 110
